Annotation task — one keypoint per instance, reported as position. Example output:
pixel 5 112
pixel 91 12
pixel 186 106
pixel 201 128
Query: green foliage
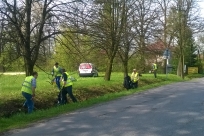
pixel 10 60
pixel 190 49
pixel 72 49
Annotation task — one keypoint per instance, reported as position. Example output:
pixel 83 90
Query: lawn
pixel 88 91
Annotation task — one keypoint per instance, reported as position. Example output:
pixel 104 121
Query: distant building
pixel 155 51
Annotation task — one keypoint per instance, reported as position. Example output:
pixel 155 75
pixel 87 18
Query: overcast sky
pixel 202 6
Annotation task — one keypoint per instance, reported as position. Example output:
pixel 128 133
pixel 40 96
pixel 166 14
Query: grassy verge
pixel 88 91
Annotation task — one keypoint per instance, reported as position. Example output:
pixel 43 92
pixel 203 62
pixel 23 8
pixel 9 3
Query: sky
pixel 202 7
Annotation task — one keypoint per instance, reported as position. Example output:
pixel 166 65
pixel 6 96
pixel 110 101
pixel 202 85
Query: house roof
pixel 158 46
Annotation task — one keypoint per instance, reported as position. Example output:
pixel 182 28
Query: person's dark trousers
pixel 155 73
pixel 62 97
pixel 29 102
pixel 57 79
pixel 134 84
pixel 69 91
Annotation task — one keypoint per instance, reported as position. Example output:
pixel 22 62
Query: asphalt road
pixel 171 110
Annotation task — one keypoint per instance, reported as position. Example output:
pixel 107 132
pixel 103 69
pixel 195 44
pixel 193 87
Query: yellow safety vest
pixel 57 71
pixel 27 86
pixel 134 77
pixel 69 81
pixel 154 66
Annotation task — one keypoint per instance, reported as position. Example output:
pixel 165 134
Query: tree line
pixel 113 34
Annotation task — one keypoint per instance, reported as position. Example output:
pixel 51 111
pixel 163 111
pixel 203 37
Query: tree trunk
pixel 142 63
pixel 125 66
pixel 27 57
pixel 28 66
pixel 182 66
pixel 109 70
pixel 165 61
pixel 125 60
pixel 179 68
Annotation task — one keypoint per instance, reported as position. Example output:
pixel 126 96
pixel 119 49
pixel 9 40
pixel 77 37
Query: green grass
pixel 195 76
pixel 88 90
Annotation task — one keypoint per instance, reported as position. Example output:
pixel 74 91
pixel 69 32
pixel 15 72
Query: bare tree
pixel 127 46
pixel 144 19
pixel 29 20
pixel 106 27
pixel 167 32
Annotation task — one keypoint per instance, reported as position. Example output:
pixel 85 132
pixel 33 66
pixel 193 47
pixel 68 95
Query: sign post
pixel 166 55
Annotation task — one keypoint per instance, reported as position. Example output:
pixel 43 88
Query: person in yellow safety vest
pixel 56 71
pixel 154 69
pixel 134 78
pixel 67 87
pixel 28 91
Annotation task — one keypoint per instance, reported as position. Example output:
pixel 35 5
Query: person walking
pixel 154 69
pixel 56 71
pixel 134 78
pixel 28 91
pixel 67 87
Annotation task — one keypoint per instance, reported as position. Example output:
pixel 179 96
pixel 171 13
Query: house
pixel 156 53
